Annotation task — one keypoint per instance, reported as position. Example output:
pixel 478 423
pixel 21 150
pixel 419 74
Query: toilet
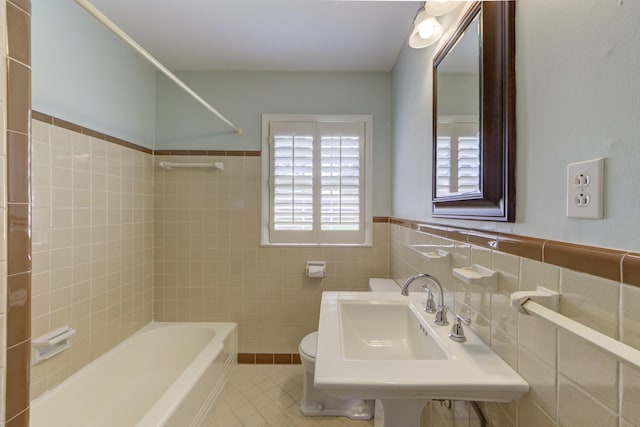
pixel 316 402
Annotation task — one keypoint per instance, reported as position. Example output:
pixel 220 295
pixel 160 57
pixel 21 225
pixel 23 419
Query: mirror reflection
pixel 458 142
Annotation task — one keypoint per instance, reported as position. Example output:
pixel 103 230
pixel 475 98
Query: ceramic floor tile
pixel 268 396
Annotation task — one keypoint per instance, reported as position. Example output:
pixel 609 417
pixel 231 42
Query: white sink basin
pixel 382 345
pixel 389 331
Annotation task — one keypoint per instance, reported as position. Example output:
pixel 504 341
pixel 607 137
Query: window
pixel 316 174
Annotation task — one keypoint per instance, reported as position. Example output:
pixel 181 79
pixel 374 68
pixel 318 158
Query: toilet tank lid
pixel 383 285
pixel 309 344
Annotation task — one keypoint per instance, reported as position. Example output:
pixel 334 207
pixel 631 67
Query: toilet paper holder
pixel 316 269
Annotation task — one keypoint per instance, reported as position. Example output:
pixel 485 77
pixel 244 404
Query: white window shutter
pixel 292 189
pixel 457 157
pixel 314 181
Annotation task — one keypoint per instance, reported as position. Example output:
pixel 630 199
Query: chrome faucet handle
pixel 441 315
pixel 429 304
pixel 457 331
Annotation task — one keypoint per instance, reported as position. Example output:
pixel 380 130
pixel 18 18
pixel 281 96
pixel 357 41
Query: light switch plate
pixel 585 188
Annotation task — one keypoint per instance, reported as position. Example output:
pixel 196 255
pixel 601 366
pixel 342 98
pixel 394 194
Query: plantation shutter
pixel 316 182
pixel 457 158
pixel 341 182
pixel 292 187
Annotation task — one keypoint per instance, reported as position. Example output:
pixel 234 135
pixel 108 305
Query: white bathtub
pixel 166 374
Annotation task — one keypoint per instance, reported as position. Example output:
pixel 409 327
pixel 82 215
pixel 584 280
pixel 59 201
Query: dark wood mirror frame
pixel 496 199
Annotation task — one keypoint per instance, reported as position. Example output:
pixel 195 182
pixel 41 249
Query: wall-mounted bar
pixel 612 347
pixel 170 165
pixel 93 11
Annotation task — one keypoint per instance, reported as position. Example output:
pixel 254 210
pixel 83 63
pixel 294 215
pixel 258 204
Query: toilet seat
pixel 309 345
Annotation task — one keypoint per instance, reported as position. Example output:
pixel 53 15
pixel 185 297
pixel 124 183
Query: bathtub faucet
pixel 441 309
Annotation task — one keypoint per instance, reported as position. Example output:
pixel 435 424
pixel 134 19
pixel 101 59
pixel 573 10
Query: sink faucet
pixel 457 332
pixel 441 310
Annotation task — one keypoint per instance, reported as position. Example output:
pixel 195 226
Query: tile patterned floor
pixel 268 395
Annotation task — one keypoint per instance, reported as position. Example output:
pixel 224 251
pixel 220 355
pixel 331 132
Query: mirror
pixel 474 117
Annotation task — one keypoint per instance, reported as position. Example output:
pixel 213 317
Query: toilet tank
pixel 383 285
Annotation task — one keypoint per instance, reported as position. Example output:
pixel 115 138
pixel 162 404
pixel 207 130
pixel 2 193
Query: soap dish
pixel 432 255
pixel 477 275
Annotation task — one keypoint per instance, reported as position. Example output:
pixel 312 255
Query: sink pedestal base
pixel 400 412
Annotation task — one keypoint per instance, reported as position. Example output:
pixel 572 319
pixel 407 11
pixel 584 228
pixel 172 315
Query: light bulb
pixel 426 29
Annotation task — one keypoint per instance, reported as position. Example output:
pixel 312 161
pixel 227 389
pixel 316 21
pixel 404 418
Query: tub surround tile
pixel 22 4
pixel 18 97
pixel 80 130
pixel 20 420
pixel 227 153
pixel 97 260
pixel 45 118
pixel 19 34
pixel 67 125
pixel 19 243
pixel 18 177
pixel 17 379
pixel 18 308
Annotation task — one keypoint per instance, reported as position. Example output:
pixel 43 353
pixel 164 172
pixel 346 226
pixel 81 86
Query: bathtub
pixel 166 374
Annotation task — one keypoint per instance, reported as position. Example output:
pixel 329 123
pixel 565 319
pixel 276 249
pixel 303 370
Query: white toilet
pixel 316 402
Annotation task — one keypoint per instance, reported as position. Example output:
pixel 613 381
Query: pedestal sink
pixel 383 346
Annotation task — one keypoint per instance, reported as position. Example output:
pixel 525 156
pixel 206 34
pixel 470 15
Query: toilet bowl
pixel 316 402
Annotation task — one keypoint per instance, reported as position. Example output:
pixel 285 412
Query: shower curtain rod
pixel 93 11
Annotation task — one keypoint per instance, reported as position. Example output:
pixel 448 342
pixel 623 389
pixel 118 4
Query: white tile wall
pixel 572 384
pixel 209 265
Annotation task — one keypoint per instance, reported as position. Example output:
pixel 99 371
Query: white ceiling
pixel 275 35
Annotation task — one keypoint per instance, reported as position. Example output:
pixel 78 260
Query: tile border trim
pixel 46 118
pixel 269 359
pixel 617 265
pixel 622 266
pixel 239 153
pixel 17 133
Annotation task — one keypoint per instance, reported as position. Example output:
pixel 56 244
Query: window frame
pixel 366 191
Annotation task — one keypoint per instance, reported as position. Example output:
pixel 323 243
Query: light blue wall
pixel 458 94
pixel 83 74
pixel 578 98
pixel 244 96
